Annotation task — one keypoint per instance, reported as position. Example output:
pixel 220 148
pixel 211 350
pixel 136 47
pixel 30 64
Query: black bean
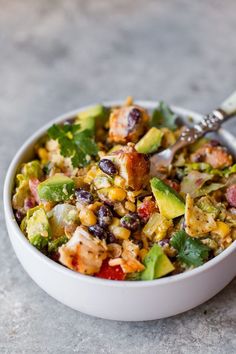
pixel 164 242
pixel 98 231
pixel 108 167
pixel 133 118
pixel 70 121
pixel 130 221
pixel 214 142
pixel 139 243
pixel 19 216
pixel 111 238
pixel 104 216
pixel 83 197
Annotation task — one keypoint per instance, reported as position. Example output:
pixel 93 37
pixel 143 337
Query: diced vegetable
pixel 55 244
pixel 157 226
pixel 32 169
pixel 194 181
pixel 111 273
pixel 56 188
pixel 168 200
pixel 150 142
pixel 38 228
pixel 157 264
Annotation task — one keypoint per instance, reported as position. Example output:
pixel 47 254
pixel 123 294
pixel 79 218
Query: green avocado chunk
pixel 37 227
pixel 157 264
pixel 150 142
pixel 57 188
pixel 169 202
pixel 92 118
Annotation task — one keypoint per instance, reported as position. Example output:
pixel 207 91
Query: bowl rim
pixel 9 215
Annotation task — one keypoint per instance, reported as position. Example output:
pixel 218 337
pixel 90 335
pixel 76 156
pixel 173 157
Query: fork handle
pixel 210 122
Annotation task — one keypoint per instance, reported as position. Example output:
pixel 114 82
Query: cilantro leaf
pixel 78 145
pixel 163 117
pixel 191 251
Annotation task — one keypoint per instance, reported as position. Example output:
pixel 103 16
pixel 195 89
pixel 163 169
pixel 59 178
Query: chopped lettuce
pixel 32 169
pixel 208 189
pixel 21 193
pixel 206 204
pixel 55 244
pixel 199 166
pixel 157 226
pixel 194 181
pixel 28 171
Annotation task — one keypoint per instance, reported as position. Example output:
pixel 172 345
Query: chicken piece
pixel 83 252
pixel 132 166
pixel 197 221
pixel 128 260
pixel 216 156
pixel 127 124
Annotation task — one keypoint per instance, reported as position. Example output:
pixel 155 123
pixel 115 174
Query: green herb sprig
pixel 191 251
pixel 78 145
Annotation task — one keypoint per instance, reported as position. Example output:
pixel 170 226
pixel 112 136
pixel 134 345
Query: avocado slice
pixel 150 142
pixel 57 188
pixel 157 264
pixel 37 227
pixel 92 118
pixel 168 200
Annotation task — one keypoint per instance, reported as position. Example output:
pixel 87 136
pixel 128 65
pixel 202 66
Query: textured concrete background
pixel 56 56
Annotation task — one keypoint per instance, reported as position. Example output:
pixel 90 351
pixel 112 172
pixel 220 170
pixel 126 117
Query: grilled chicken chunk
pixel 83 252
pixel 216 156
pixel 133 167
pixel 127 124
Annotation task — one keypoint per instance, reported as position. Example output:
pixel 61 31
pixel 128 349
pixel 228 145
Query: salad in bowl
pixel 88 202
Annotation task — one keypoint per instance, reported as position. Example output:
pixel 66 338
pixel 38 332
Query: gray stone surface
pixel 56 56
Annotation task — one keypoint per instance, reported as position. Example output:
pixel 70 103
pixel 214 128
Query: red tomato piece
pixel 146 209
pixel 112 273
pixel 173 184
pixel 33 184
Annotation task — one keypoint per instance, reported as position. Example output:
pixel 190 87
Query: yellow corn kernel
pixel 129 101
pixel 115 222
pixel 142 253
pixel 130 206
pixel 87 217
pixel 121 232
pixel 116 194
pixel 95 206
pixel 131 195
pixel 43 154
pixel 91 174
pixel 48 206
pixel 101 153
pixel 222 229
pixel 119 181
pixel 79 182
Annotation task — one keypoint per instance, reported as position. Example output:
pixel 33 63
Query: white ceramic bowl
pixel 117 300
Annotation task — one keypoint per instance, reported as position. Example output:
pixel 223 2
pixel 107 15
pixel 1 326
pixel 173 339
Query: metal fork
pixel 209 123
